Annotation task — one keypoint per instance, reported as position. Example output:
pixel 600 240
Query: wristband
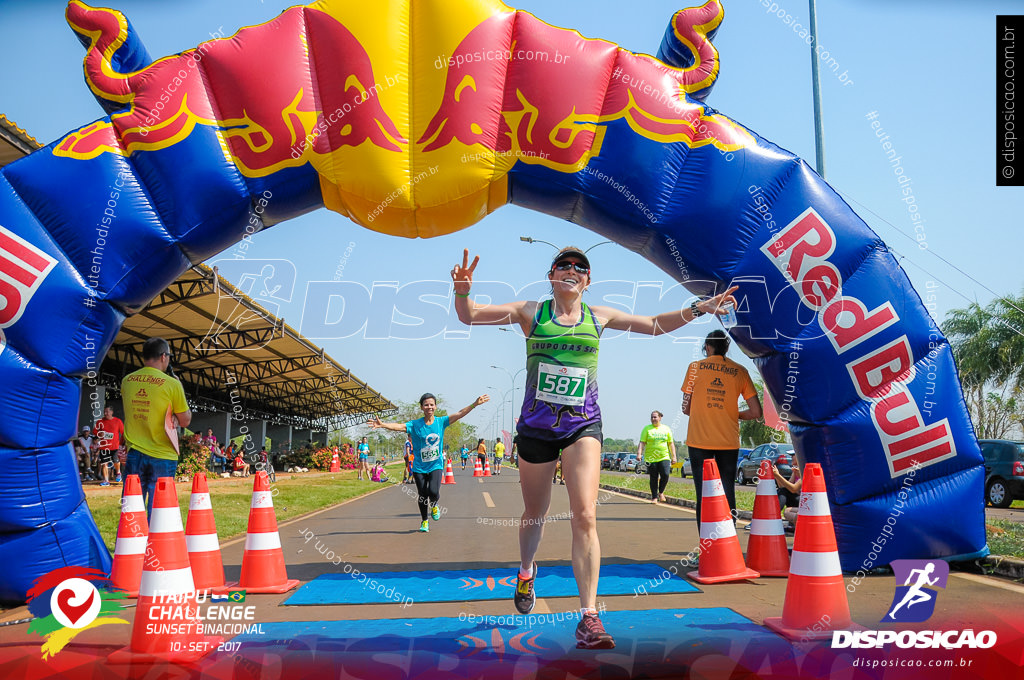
pixel 461 295
pixel 696 312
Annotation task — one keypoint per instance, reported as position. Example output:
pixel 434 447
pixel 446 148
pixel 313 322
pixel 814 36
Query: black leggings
pixel 428 489
pixel 659 472
pixel 726 461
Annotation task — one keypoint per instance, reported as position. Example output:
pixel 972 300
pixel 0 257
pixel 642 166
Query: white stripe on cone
pixel 133 503
pixel 200 501
pixel 716 530
pixel 767 527
pixel 711 487
pixel 165 521
pixel 814 504
pixel 202 543
pixel 814 564
pixel 261 499
pixel 766 487
pixel 268 541
pixel 167 582
pixel 130 545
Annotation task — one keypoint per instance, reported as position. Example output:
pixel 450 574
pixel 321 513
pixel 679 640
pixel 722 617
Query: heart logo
pixel 73 612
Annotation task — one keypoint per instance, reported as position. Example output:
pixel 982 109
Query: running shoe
pixel 525 598
pixel 424 525
pixel 104 483
pixel 117 480
pixel 435 512
pixel 590 634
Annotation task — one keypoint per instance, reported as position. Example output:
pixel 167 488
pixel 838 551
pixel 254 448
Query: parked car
pixel 780 454
pixel 606 460
pixel 616 463
pixel 629 463
pixel 1004 471
pixel 744 453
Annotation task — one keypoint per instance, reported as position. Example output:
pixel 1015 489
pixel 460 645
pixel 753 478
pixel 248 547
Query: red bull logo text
pixel 23 268
pixel 881 376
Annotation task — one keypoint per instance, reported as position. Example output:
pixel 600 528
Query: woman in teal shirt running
pixel 655 445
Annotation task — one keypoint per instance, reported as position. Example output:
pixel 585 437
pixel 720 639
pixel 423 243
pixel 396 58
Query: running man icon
pixel 920 578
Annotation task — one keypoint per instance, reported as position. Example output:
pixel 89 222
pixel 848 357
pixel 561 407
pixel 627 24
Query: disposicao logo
pixel 914 601
pixel 68 601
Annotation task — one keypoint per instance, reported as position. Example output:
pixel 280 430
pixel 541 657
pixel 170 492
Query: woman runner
pixel 427 436
pixel 560 416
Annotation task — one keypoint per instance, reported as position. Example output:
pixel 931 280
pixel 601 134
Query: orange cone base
pixel 768 560
pixel 780 573
pixel 200 648
pixel 775 623
pixel 276 588
pixel 743 575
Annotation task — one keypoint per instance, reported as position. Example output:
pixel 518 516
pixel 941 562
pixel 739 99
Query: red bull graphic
pixel 419 119
pixel 559 92
pixel 267 112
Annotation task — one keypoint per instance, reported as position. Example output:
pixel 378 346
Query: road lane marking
pixel 487 500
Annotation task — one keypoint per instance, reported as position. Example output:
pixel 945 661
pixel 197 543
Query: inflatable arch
pixel 423 128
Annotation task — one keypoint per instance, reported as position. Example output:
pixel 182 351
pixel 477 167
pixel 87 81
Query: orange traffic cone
pixel 478 470
pixel 721 558
pixel 132 533
pixel 449 475
pixel 263 569
pixel 201 539
pixel 336 462
pixel 487 467
pixel 815 602
pixel 167 627
pixel 767 552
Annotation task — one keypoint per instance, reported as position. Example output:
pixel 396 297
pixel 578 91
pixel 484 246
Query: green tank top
pixel 561 375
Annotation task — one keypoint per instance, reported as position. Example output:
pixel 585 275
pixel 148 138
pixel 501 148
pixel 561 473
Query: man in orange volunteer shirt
pixel 711 394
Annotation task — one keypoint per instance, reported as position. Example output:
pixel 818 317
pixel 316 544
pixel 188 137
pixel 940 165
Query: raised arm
pixel 662 323
pixel 460 414
pixel 471 313
pixel 376 422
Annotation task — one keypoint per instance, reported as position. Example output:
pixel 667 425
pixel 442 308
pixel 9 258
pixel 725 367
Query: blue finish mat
pixel 479 584
pixel 649 643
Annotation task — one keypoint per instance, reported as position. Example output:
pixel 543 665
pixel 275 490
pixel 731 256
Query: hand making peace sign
pixel 463 276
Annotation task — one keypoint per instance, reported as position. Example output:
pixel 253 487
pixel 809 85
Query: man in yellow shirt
pixel 499 455
pixel 154 407
pixel 711 394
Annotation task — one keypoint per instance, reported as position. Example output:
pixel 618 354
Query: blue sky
pixel 926 70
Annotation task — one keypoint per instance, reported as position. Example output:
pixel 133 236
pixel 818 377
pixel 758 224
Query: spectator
pixel 712 389
pixel 109 434
pixel 154 407
pixel 241 465
pixel 789 490
pixel 82 455
pixel 217 457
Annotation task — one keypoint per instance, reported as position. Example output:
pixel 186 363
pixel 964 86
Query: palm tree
pixel 988 345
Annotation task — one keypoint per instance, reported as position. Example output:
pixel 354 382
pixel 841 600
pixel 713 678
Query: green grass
pixel 677 489
pixel 298 494
pixel 1005 537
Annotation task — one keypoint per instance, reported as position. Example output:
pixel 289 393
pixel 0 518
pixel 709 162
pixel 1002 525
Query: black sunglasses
pixel 566 265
